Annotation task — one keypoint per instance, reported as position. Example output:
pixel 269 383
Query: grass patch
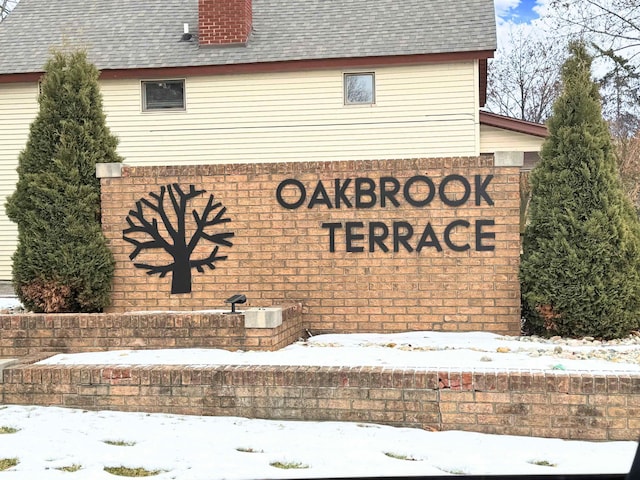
pixel 288 465
pixel 452 471
pixel 8 430
pixel 132 472
pixel 6 463
pixel 543 463
pixel 399 456
pixel 249 450
pixel 70 468
pixel 119 443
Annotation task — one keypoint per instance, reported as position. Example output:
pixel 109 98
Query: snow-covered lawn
pixel 189 448
pixel 47 440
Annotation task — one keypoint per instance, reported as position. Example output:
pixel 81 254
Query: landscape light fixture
pixel 238 298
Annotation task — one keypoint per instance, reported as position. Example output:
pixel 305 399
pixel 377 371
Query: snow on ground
pixel 190 448
pixel 478 351
pixel 9 302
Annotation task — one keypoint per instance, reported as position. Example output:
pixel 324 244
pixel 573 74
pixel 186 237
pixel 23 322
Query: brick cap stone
pixel 5 363
pixel 268 317
pixel 109 170
pixel 508 159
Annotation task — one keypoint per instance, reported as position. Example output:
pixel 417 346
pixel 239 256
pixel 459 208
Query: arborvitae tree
pixel 62 263
pixel 581 252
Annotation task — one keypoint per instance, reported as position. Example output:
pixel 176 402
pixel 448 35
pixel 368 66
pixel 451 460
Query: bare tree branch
pixel 192 192
pixel 153 270
pixel 163 215
pixel 151 228
pixel 525 80
pixel 628 158
pixel 219 238
pixel 218 219
pixel 174 202
pixel 141 246
pixel 624 19
pixel 613 27
pixel 202 223
pixel 209 261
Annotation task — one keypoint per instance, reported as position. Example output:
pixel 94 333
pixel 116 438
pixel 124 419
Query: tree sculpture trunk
pixel 181 280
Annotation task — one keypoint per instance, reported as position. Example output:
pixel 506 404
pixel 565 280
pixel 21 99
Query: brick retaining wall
pixel 24 334
pixel 571 406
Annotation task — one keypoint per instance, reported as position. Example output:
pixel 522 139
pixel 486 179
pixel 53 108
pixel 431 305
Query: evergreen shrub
pixel 581 250
pixel 62 262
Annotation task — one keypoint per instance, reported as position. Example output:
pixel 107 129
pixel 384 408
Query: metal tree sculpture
pixel 178 246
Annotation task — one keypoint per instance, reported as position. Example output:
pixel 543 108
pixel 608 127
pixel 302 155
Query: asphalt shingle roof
pixel 122 34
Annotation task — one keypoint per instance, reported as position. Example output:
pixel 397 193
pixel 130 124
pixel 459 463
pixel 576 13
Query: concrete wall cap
pixel 109 170
pixel 509 159
pixel 263 317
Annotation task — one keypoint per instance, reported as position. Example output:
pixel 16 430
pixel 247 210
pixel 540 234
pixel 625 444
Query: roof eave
pixel 271 67
pixel 513 124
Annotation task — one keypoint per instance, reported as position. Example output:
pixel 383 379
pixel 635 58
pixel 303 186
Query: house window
pixel 163 95
pixel 359 88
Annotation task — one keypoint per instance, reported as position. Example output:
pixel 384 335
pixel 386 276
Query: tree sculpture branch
pixel 148 227
pixel 153 270
pixel 202 222
pixel 161 211
pixel 180 249
pixel 209 261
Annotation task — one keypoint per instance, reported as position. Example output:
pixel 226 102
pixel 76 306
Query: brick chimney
pixel 224 22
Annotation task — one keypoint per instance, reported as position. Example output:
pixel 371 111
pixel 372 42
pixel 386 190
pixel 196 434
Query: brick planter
pixel 31 333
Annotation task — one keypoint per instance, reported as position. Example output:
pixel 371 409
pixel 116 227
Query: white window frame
pixel 345 77
pixel 145 106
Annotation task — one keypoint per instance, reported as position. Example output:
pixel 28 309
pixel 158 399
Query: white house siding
pixel 494 139
pixel 419 111
pixel 18 108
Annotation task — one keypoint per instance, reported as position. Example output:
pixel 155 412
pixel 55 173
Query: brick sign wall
pixel 363 245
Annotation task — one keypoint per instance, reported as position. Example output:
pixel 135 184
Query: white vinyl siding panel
pixel 422 111
pixel 493 139
pixel 476 96
pixel 18 108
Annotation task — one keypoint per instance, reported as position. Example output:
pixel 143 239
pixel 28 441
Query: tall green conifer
pixel 62 263
pixel 581 252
